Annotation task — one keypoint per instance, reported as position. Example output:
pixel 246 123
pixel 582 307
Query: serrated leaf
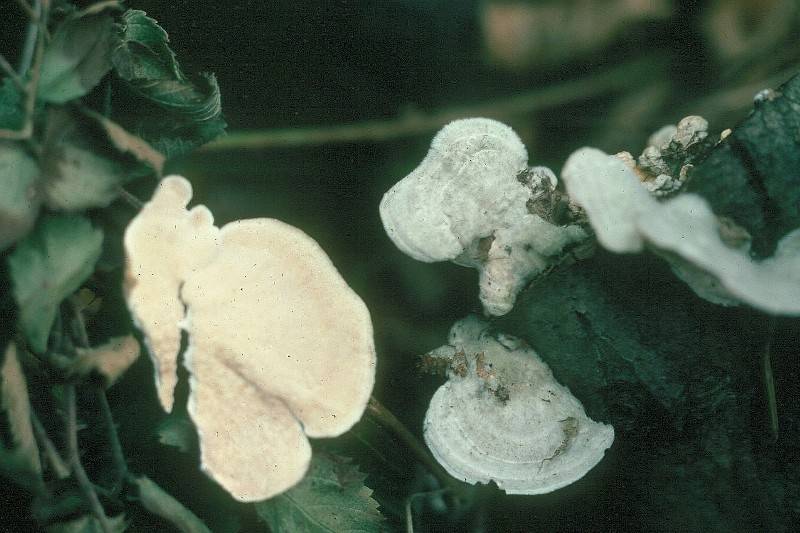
pixel 10 106
pixel 142 51
pixel 142 58
pixel 19 201
pixel 129 143
pixel 76 173
pixel 47 266
pixel 109 360
pixel 332 497
pixel 88 524
pixel 76 59
pixel 19 453
pixel 157 501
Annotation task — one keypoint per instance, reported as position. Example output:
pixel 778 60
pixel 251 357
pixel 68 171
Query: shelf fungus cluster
pixel 710 254
pixel 473 200
pixel 503 417
pixel 279 347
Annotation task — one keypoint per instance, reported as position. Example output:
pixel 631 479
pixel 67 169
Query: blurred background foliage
pixel 563 74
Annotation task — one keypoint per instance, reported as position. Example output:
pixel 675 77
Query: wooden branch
pixel 623 76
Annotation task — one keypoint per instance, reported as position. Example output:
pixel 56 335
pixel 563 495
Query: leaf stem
pixel 159 502
pixel 769 380
pixel 130 199
pixel 59 466
pixel 409 503
pixel 117 455
pixel 27 9
pixel 40 24
pixel 74 460
pixel 11 73
pixel 386 418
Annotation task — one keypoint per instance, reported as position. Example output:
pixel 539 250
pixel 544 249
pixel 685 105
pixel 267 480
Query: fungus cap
pixel 466 198
pixel 503 417
pixel 165 243
pixel 683 230
pixel 280 347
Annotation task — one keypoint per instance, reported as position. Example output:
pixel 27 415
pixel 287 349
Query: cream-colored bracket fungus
pixel 280 348
pixel 502 417
pixel 467 202
pixel 709 254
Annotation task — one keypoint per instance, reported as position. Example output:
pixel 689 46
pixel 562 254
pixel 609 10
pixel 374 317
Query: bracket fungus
pixel 708 253
pixel 280 348
pixel 503 417
pixel 469 202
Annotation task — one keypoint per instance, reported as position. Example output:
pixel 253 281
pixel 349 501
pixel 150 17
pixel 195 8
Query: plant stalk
pixel 386 418
pixel 75 461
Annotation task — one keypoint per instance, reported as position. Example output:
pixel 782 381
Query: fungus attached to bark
pixel 468 202
pixel 280 347
pixel 708 253
pixel 503 417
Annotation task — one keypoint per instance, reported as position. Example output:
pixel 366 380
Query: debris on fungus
pixel 506 419
pixel 710 254
pixel 280 348
pixel 474 201
pixel 665 164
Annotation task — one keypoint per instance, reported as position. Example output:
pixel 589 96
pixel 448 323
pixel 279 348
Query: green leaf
pixel 157 501
pixel 142 52
pixel 76 59
pixel 19 455
pixel 47 266
pixel 78 173
pixel 142 58
pixel 19 201
pixel 88 524
pixel 10 106
pixel 331 498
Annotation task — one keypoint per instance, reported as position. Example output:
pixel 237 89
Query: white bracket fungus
pixel 685 231
pixel 280 347
pixel 503 417
pixel 468 202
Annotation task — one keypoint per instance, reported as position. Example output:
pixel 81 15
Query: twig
pixel 26 131
pixel 130 199
pixel 769 380
pixel 387 419
pixel 623 76
pixel 161 503
pixel 117 455
pixel 59 466
pixel 11 73
pixel 31 36
pixel 75 461
pixel 79 327
pixel 410 500
pixel 27 9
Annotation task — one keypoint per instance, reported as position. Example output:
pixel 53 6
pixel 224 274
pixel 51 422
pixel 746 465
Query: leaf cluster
pixel 101 103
